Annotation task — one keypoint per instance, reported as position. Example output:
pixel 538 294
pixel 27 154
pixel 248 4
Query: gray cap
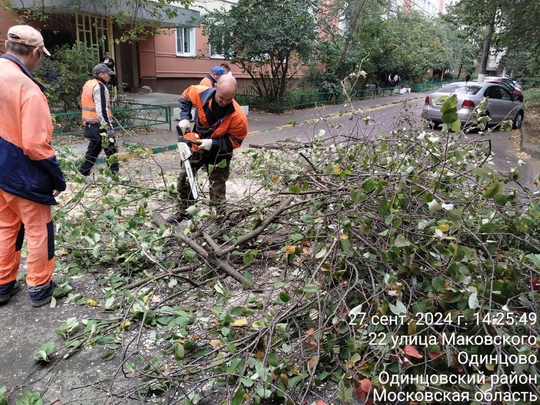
pixel 102 68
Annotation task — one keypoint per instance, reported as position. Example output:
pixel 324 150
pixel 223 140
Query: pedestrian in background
pixel 211 79
pixel 110 63
pixel 222 126
pixel 226 68
pixel 30 175
pixel 97 120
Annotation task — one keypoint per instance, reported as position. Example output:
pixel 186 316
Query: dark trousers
pixel 93 151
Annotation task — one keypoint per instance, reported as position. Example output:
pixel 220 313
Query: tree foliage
pixel 407 43
pixel 504 26
pixel 270 40
pixel 64 76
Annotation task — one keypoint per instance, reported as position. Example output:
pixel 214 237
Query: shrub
pixel 64 75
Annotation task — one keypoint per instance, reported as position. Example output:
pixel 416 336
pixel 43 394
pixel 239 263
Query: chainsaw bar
pixel 185 153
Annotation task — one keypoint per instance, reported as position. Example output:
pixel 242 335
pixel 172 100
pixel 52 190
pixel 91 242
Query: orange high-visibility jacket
pixel 208 81
pixel 233 125
pixel 28 165
pixel 91 114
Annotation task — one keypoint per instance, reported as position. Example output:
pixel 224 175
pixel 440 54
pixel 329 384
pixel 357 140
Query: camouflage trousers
pixel 217 177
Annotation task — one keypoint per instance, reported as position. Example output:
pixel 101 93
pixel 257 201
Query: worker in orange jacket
pixel 30 176
pixel 222 126
pixel 97 120
pixel 211 79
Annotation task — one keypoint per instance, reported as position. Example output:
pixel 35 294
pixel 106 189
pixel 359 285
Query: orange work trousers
pixel 19 218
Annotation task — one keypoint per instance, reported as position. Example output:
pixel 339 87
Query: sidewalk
pixel 258 122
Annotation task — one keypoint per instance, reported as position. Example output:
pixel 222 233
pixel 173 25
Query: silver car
pixel 501 104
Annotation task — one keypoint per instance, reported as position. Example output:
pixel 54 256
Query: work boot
pixel 8 290
pixel 42 294
pixel 177 218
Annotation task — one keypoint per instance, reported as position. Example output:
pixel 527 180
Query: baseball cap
pixel 218 70
pixel 26 35
pixel 102 68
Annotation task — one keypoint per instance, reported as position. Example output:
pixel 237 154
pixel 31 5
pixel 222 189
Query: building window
pixel 185 41
pixel 216 47
pixel 215 51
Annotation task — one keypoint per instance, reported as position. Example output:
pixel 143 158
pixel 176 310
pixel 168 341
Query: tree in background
pixel 269 40
pixel 350 32
pixel 65 74
pixel 508 26
pixel 519 39
pixel 389 42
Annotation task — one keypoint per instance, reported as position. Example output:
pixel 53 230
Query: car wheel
pixel 518 120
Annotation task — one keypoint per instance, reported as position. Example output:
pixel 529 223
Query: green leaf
pixel 294 188
pixel 272 360
pixel 311 288
pixel 401 241
pixel 284 296
pixel 355 196
pixel 455 126
pixel 238 397
pixel 501 199
pixel 179 351
pixel 249 257
pixel 189 254
pixel 454 214
pixel 489 227
pixel 437 283
pixel 493 189
pixel 449 103
pixel 344 393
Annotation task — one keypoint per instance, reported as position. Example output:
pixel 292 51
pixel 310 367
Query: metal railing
pixel 311 99
pixel 131 116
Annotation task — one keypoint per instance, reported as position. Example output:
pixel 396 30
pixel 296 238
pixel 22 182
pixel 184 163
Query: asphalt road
pixel 381 120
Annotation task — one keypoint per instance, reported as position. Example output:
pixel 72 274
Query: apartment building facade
pixel 168 62
pixel 430 8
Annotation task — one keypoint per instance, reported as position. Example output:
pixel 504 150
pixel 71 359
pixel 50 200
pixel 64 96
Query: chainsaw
pixel 187 144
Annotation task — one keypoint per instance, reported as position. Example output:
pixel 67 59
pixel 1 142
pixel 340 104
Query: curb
pixel 525 146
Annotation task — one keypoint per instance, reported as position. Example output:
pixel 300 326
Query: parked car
pixel 509 83
pixel 501 105
pixel 507 80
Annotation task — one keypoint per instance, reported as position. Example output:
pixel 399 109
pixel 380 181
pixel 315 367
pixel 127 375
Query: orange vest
pixel 89 114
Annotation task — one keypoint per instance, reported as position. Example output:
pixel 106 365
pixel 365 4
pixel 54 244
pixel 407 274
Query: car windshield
pixel 460 89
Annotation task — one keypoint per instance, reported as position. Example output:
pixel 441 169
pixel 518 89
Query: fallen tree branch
pixel 172 272
pixel 257 231
pixel 210 257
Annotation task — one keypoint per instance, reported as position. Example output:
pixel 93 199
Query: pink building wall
pixel 165 72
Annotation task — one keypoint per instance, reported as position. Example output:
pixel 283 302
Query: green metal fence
pixel 311 99
pixel 131 116
pixel 307 99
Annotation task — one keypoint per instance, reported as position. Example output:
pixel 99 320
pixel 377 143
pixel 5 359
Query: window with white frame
pixel 185 41
pixel 215 51
pixel 216 47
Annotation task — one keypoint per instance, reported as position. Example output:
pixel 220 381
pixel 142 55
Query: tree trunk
pixel 354 23
pixel 487 43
